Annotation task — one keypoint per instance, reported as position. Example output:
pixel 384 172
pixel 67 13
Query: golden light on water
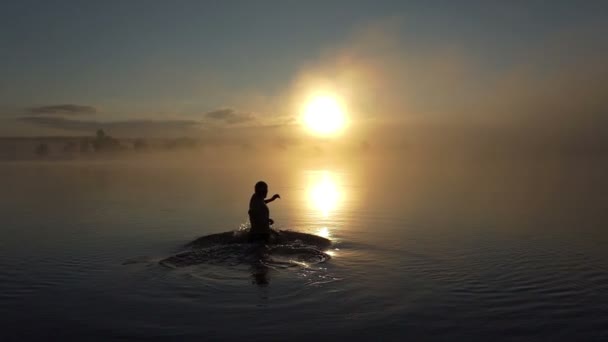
pixel 324 115
pixel 324 194
pixel 324 232
pixel 325 197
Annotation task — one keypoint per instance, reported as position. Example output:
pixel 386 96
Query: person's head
pixel 261 188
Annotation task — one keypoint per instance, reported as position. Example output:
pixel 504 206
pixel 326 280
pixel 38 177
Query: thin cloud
pixel 229 116
pixel 62 109
pixel 127 127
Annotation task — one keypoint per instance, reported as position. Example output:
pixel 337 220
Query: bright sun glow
pixel 324 115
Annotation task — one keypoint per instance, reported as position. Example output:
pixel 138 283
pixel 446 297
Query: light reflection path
pixel 324 232
pixel 325 197
pixel 323 191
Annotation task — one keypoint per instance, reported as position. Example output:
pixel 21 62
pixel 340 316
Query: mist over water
pixel 455 154
pixel 425 246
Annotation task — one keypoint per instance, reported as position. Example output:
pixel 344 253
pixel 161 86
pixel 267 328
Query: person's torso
pixel 258 214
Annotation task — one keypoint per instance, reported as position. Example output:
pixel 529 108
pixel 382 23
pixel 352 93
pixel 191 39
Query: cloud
pixel 125 128
pixel 62 109
pixel 229 116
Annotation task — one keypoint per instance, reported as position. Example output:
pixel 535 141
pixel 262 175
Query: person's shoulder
pixel 255 199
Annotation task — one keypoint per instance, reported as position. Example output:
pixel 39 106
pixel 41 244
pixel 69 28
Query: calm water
pixel 426 251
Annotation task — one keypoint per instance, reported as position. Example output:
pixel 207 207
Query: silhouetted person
pixel 259 215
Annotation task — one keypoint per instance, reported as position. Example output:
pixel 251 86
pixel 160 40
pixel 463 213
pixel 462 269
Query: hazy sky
pixel 179 66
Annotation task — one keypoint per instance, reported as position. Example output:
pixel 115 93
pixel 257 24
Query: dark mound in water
pixel 232 248
pixel 280 237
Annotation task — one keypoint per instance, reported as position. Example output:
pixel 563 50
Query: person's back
pixel 259 215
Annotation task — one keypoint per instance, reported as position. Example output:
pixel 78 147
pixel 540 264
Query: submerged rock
pixel 233 248
pixel 277 238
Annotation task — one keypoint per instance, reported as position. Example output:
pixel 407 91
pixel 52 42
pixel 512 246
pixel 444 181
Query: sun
pixel 324 115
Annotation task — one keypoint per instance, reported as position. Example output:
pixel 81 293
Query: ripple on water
pixel 221 263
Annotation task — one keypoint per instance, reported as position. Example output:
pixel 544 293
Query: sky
pixel 184 68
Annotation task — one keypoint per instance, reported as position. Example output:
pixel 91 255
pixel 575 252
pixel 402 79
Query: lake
pixel 437 249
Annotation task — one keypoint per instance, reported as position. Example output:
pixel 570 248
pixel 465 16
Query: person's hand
pixel 275 196
pixel 271 221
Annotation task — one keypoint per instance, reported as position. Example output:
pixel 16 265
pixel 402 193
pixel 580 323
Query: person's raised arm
pixel 274 197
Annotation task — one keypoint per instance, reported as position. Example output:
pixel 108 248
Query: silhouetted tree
pixel 42 150
pixel 140 145
pixel 105 142
pixel 101 134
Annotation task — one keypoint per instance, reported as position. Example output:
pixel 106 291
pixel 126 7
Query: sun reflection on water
pixel 332 252
pixel 323 193
pixel 324 232
pixel 325 197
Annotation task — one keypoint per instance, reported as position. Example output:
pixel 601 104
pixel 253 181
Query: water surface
pixel 434 250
